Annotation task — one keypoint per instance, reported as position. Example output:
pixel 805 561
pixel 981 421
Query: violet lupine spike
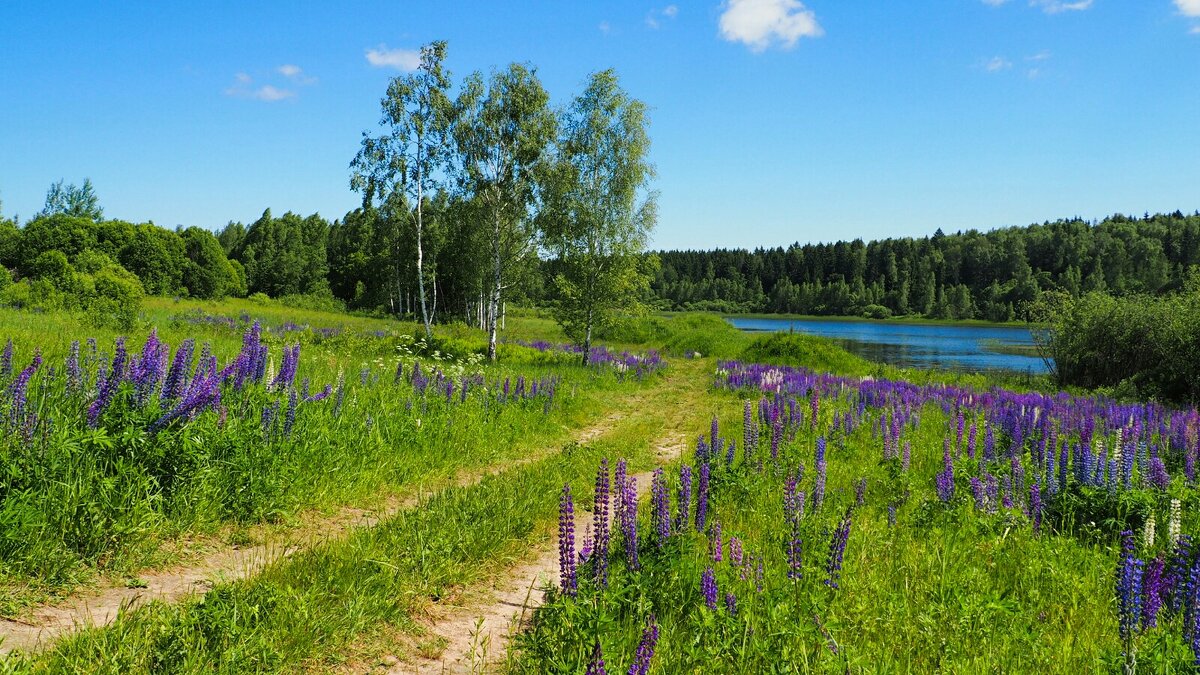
pixel 645 649
pixel 819 482
pixel 860 491
pixel 109 388
pixel 736 552
pixel 73 369
pixel 178 374
pixel 596 665
pixel 660 502
pixel 567 570
pixel 1153 592
pixel 708 588
pixel 837 551
pixel 18 390
pixel 1129 595
pixel 1035 506
pixel 289 419
pixel 618 490
pixel 6 359
pixel 685 498
pixel 702 487
pixel 731 604
pixel 629 533
pixel 793 510
pixel 601 525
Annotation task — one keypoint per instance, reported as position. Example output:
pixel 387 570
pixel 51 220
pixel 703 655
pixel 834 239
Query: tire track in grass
pixel 101 607
pixel 475 635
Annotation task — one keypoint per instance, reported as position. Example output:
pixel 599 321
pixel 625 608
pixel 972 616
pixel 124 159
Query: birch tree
pixel 503 131
pixel 410 157
pixel 598 211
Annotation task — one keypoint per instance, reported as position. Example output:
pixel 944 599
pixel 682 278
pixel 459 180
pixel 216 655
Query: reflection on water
pixel 963 348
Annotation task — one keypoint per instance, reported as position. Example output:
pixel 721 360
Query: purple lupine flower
pixel 945 479
pixel 906 458
pixel 660 502
pixel 736 553
pixel 340 396
pixel 596 665
pixel 1007 499
pixel 628 521
pixel 1129 595
pixel 837 550
pixel 618 489
pixel 860 491
pixel 289 418
pixel 566 544
pixel 645 649
pixel 109 388
pixel 6 359
pixel 600 525
pixel 1035 506
pixel 1154 590
pixel 747 431
pixel 977 492
pixel 814 405
pixel 177 375
pixel 991 491
pixel 702 497
pixel 18 390
pixel 708 588
pixel 685 497
pixel 1159 477
pixel 971 435
pixel 731 604
pixel 819 482
pixel 776 434
pixel 74 372
pixel 1176 576
pixel 891 515
pixel 793 510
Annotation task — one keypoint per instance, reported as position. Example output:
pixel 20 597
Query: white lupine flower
pixel 1148 532
pixel 1174 523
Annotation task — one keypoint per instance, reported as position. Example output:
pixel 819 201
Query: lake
pixel 962 348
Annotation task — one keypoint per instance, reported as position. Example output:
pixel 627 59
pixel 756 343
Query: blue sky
pixel 773 121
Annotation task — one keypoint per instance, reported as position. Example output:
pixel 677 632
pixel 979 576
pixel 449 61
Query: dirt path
pixel 100 607
pixel 476 634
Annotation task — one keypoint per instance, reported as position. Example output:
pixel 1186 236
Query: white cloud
pixel 1040 56
pixel 605 27
pixel 1188 8
pixel 407 60
pixel 669 12
pixel 1034 73
pixel 996 64
pixel 1057 6
pixel 295 74
pixel 761 23
pixel 270 94
pixel 242 78
pixel 1195 30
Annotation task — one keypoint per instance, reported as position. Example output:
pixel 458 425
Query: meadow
pixel 711 502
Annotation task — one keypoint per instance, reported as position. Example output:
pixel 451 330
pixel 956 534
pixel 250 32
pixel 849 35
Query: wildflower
pixel 628 520
pixel 109 388
pixel 793 509
pixel 645 649
pixel 731 604
pixel 566 543
pixel 819 483
pixel 600 523
pixel 1148 532
pixel 708 588
pixel 837 550
pixel 685 497
pixel 736 553
pixel 860 491
pixel 1129 596
pixel 596 666
pixel 1173 523
pixel 1035 506
pixel 702 497
pixel 661 505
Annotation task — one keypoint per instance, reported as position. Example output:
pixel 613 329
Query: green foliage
pixel 286 255
pixel 77 202
pixel 1141 347
pixel 207 273
pixel 807 351
pixel 597 217
pixel 704 334
pixel 319 301
pixel 967 275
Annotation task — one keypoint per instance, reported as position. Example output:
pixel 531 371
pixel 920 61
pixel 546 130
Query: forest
pixel 994 276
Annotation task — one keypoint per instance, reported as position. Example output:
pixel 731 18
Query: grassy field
pixel 830 514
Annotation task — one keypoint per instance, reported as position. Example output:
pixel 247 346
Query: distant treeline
pixel 994 275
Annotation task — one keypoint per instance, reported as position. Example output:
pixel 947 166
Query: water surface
pixel 962 348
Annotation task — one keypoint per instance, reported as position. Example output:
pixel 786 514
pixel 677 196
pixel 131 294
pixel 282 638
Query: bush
pixel 117 299
pixel 876 312
pixel 808 351
pixel 708 334
pixel 320 302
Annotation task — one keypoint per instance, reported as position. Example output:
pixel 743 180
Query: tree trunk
pixel 587 338
pixel 421 251
pixel 494 309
